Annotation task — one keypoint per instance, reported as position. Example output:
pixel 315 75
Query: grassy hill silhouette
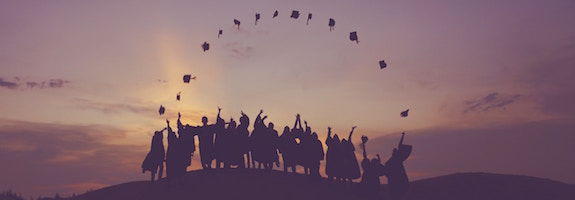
pixel 260 184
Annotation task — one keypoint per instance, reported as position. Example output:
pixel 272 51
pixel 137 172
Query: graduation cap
pixel 275 14
pixel 237 22
pixel 404 113
pixel 206 46
pixel 331 24
pixel 257 18
pixel 294 14
pixel 353 36
pixel 220 33
pixel 178 96
pixel 188 77
pixel 382 64
pixel 162 110
pixel 308 18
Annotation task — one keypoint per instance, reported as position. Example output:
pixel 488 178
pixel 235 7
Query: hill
pixel 259 184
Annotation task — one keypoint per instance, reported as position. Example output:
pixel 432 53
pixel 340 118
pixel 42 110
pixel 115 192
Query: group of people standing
pixel 231 145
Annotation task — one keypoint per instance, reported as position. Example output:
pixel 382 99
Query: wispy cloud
pixel 112 108
pixel 51 83
pixel 491 101
pixel 8 84
pixel 239 50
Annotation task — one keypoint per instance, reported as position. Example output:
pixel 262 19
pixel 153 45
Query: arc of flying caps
pixel 308 18
pixel 353 37
pixel 275 14
pixel 162 110
pixel 206 46
pixel 178 96
pixel 382 64
pixel 237 23
pixel 404 113
pixel 294 14
pixel 220 33
pixel 257 18
pixel 331 24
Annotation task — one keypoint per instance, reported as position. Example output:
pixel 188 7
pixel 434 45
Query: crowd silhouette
pixel 231 145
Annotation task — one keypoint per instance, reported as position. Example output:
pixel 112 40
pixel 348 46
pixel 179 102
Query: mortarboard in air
pixel 308 18
pixel 206 46
pixel 294 14
pixel 237 22
pixel 382 64
pixel 162 110
pixel 257 18
pixel 404 113
pixel 220 33
pixel 353 36
pixel 275 14
pixel 188 77
pixel 178 96
pixel 331 24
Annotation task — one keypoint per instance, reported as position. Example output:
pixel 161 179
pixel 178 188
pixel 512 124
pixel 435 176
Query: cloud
pixel 8 84
pixel 239 50
pixel 44 159
pixel 57 83
pixel 51 83
pixel 491 101
pixel 113 108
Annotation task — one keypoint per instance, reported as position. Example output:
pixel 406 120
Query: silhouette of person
pixel 317 154
pixel 306 149
pixel 232 155
pixel 333 161
pixel 350 165
pixel 397 179
pixel 269 147
pixel 287 149
pixel 206 143
pixel 175 157
pixel 297 133
pixel 187 140
pixel 220 141
pixel 257 139
pixel 372 170
pixel 154 161
pixel 244 140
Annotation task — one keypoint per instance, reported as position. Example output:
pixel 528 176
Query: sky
pixel 489 84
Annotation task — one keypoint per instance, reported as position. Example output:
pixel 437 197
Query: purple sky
pixel 489 84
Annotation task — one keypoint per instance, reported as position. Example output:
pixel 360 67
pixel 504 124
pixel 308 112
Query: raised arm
pixel 259 117
pixel 363 141
pixel 351 133
pixel 401 140
pixel 328 133
pixel 297 120
pixel 219 111
pixel 180 125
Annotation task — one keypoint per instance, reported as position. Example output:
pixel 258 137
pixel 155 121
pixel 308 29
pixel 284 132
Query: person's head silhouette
pixel 271 125
pixel 204 120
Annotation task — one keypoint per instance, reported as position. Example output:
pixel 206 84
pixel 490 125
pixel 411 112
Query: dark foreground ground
pixel 259 184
